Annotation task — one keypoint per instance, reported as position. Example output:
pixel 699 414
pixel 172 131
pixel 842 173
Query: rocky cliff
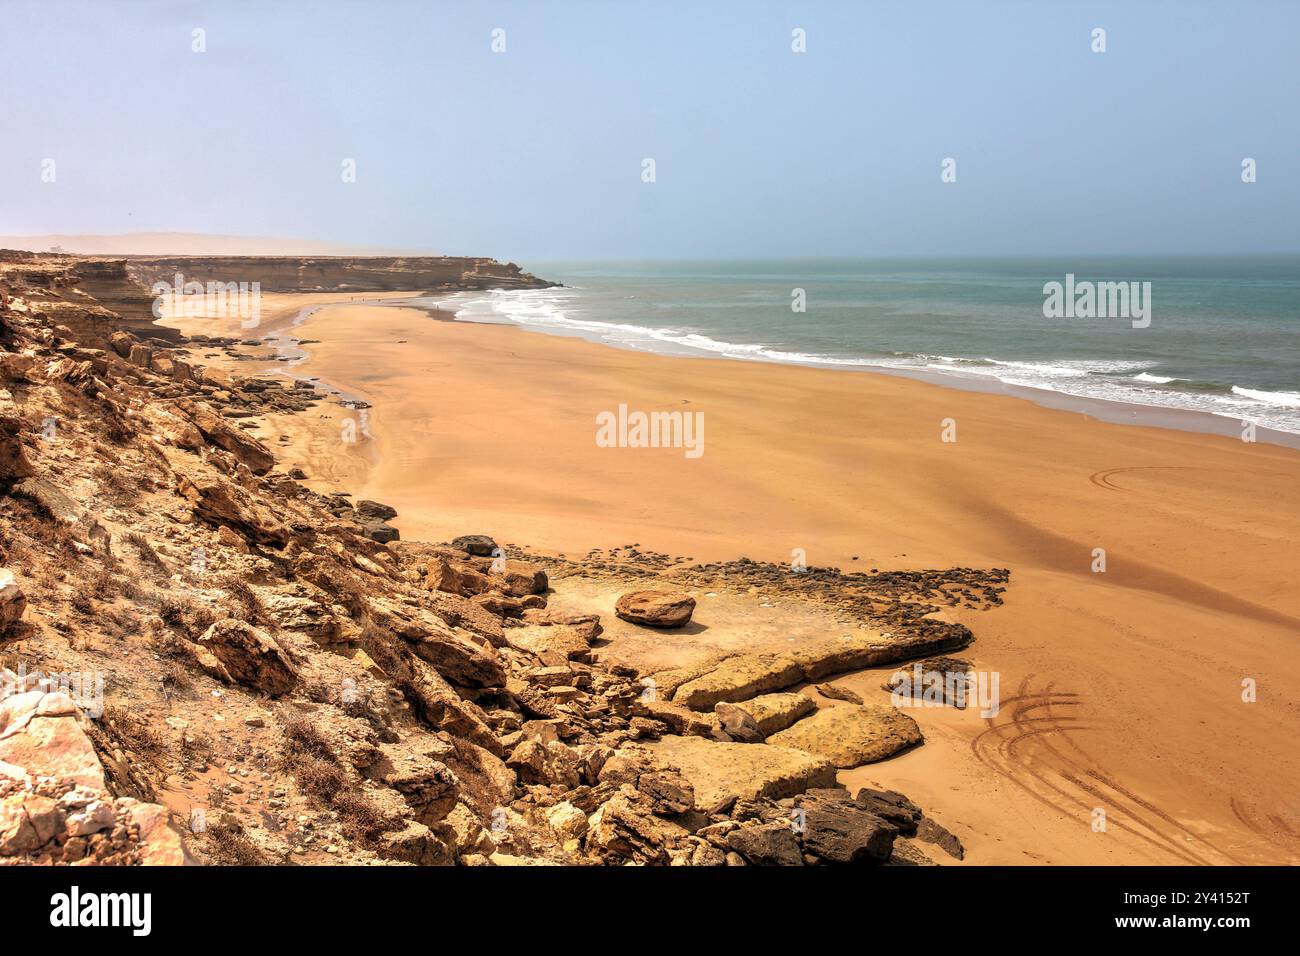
pixel 123 285
pixel 204 659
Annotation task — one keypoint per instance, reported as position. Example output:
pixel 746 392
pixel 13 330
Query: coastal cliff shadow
pixel 1061 553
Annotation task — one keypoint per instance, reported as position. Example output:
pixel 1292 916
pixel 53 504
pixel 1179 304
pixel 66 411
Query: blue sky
pixel 760 152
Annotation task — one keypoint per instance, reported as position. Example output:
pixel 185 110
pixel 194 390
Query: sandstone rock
pixel 738 724
pixel 49 499
pixel 838 830
pixel 825 657
pixel 221 502
pixel 374 511
pixel 160 843
pixel 14 366
pixel 293 613
pixel 549 764
pixel 14 464
pixel 773 712
pixel 172 429
pixel 443 575
pixel 12 601
pixel 477 544
pixel 141 355
pixel 246 449
pixel 623 828
pixel 739 678
pixel 121 343
pixel 567 642
pixel 45 730
pixel 940 836
pixel 455 656
pixel 419 844
pixel 250 657
pixel 719 771
pixel 767 844
pixel 850 735
pixel 677 717
pixel 381 532
pixel 669 792
pixel 655 608
pixel 907 853
pixel 568 822
pixel 520 579
pixel 891 806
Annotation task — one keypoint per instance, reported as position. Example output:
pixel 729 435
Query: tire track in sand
pixel 1071 783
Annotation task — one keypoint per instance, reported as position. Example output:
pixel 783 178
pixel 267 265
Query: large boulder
pixel 655 608
pixel 56 807
pixel 766 844
pixel 479 545
pixel 850 735
pixel 248 656
pixel 375 511
pixel 45 733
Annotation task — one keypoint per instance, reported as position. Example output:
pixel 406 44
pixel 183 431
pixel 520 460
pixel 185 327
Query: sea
pixel 1220 336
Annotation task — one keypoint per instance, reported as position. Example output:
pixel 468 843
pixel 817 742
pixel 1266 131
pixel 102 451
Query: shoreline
pixel 479 428
pixel 1114 411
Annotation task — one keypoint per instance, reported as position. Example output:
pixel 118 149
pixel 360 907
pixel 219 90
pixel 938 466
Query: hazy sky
pixel 537 152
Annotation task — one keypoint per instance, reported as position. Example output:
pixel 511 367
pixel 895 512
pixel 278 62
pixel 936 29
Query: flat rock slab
pixel 719 771
pixel 850 735
pixel 570 642
pixel 775 712
pixel 739 678
pixel 743 676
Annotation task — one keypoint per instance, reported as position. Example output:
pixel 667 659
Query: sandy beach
pixel 1121 690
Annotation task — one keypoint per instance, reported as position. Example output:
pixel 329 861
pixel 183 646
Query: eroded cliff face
pixel 91 289
pixel 336 273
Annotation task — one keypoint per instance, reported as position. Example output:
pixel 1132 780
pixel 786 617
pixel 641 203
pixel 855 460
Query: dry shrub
pixel 362 820
pixel 244 601
pixel 145 550
pixel 228 843
pixel 301 736
pixel 318 778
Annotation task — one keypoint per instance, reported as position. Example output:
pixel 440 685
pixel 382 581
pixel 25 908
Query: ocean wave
pixel 1282 399
pixel 1155 379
